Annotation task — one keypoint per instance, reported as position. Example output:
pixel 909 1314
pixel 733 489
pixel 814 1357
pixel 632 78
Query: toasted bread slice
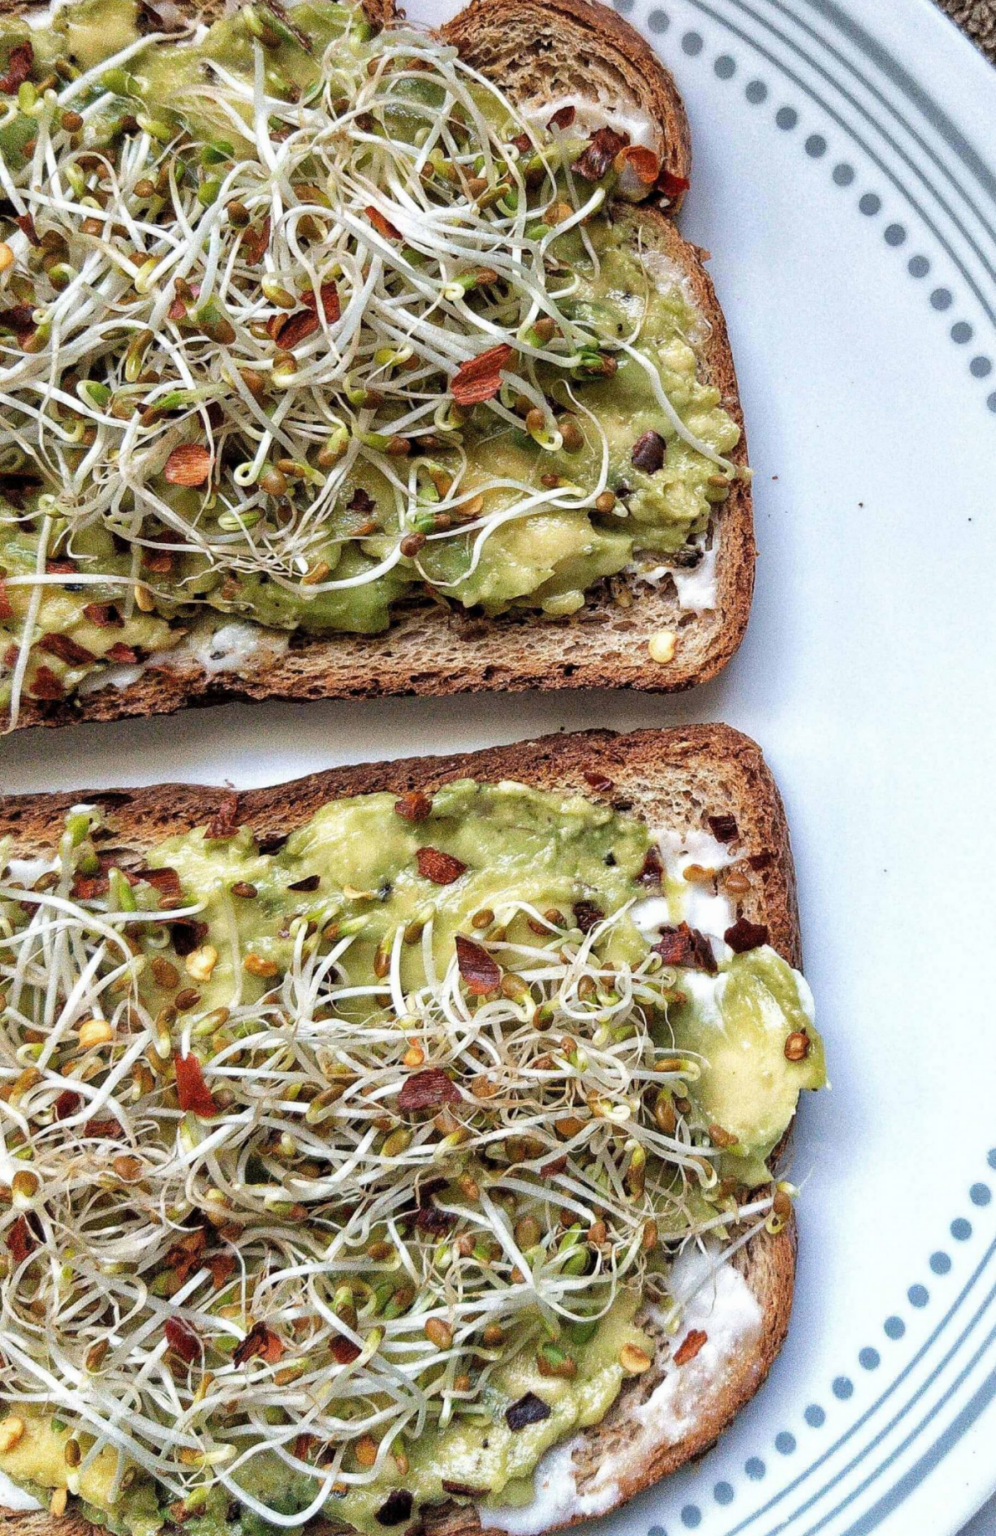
pixel 676 778
pixel 535 52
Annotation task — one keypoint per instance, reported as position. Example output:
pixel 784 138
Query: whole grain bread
pixel 676 778
pixel 435 648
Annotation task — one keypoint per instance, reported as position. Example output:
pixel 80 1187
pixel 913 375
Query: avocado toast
pixel 344 361
pixel 393 1147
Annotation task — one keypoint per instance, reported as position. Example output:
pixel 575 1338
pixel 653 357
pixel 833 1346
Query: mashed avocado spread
pixel 300 321
pixel 337 1167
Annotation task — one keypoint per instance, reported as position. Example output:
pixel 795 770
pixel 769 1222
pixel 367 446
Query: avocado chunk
pixel 737 1025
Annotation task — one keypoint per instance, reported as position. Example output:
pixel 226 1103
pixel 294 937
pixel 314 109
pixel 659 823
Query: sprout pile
pixel 313 1225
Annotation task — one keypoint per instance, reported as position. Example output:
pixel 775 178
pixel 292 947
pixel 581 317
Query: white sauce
pixel 14 1497
pixel 24 872
pixel 111 677
pixel 624 117
pixel 226 649
pixel 696 587
pixel 806 997
pixel 689 901
pixel 667 274
pixel 724 1308
pixel 557 1499
pixel 230 647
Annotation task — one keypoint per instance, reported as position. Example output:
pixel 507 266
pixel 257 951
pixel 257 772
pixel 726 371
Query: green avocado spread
pixel 236 388
pixel 340 1165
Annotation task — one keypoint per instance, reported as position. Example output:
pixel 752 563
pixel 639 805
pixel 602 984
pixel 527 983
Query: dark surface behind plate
pixel 977 18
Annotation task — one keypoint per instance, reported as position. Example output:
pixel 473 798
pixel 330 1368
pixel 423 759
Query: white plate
pixel 841 182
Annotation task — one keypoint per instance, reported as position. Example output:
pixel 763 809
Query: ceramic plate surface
pixel 845 190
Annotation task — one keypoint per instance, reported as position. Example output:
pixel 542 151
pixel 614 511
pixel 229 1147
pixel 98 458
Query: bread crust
pixel 681 777
pixel 431 649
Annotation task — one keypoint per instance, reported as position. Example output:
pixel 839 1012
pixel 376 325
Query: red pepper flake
pixel 381 225
pixel 479 970
pixel 46 685
pixel 480 378
pixel 724 828
pixel 288 331
pixel 648 452
pixel 686 946
pixel 413 805
pixel 690 1346
pixel 66 1104
pixel 527 1410
pixel 304 1444
pixel 430 1218
pixel 643 161
pixel 26 225
pixel 103 616
pixel 255 242
pixel 19 62
pixel 222 1266
pixel 225 819
pixel 329 296
pixel 563 117
pixel 440 868
pixel 587 915
pixel 192 1091
pixel 309 883
pixel 183 1341
pixel 746 935
pixel 61 568
pixel 669 184
pixel 6 611
pixel 603 146
pixel 19 320
pixel 189 464
pixel 186 933
pixel 598 781
pixel 262 1341
pixel 344 1350
pixel 165 881
pixel 21 1240
pixel 67 650
pixel 124 655
pixel 103 1130
pixel 428 1090
pixel 652 872
pixel 185 1255
pixel 159 561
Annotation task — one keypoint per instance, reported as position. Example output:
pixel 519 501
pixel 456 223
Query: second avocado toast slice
pixel 319 391
pixel 394 1143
